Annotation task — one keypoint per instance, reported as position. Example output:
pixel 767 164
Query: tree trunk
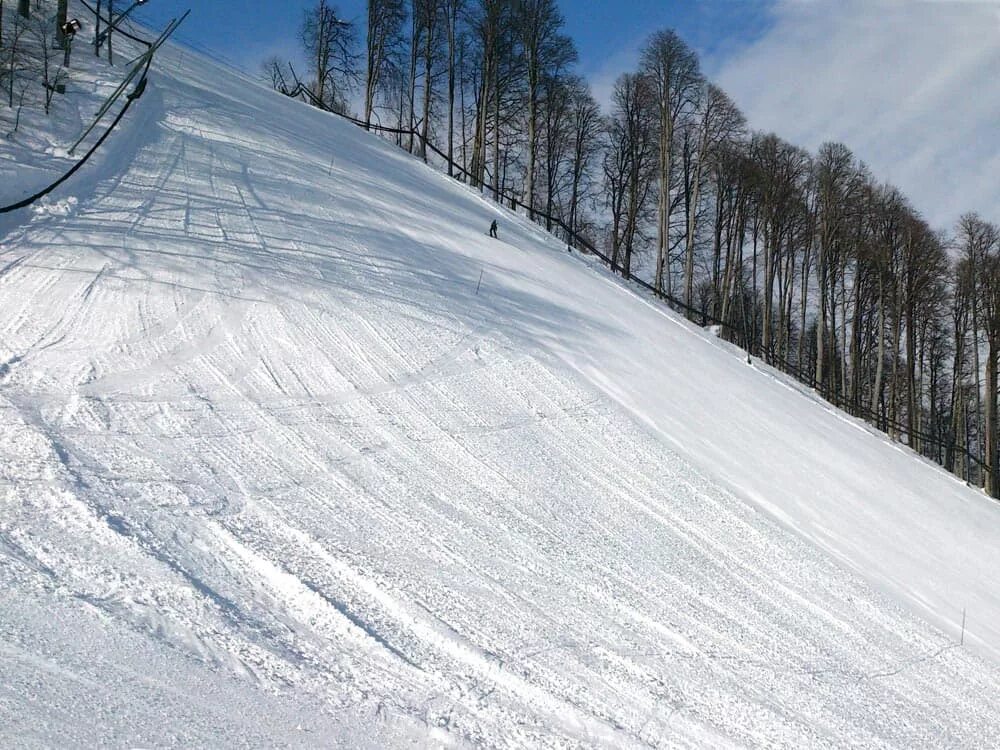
pixel 692 219
pixel 717 248
pixel 978 369
pixel 414 46
pixel 753 279
pixel 663 200
pixel 374 47
pixel 822 270
pixel 734 265
pixel 843 334
pixel 461 106
pixel 803 304
pixel 399 114
pixel 855 353
pixel 428 59
pixel 958 428
pixel 771 250
pixel 911 376
pixel 496 144
pixel 532 135
pixel 880 357
pixel 61 11
pixel 990 483
pixel 452 21
pixel 897 325
pixel 479 140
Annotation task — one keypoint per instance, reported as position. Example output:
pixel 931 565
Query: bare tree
pixel 430 15
pixel 411 76
pixel 980 244
pixel 782 172
pixel 732 188
pixel 545 50
pixel 630 164
pixel 452 9
pixel 384 36
pixel 837 180
pixel 924 266
pixel 720 122
pixel 990 301
pixel 278 74
pixel 329 42
pixel 555 142
pixel 53 74
pixel 14 58
pixel 490 18
pixel 586 132
pixel 673 70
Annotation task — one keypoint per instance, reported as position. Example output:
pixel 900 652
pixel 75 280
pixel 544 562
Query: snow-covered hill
pixel 294 454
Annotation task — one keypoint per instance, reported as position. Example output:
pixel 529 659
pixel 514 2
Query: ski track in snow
pixel 267 455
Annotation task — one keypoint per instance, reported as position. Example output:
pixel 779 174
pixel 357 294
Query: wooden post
pixel 61 36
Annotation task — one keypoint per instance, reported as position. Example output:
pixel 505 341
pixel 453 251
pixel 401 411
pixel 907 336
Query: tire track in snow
pixel 434 631
pixel 7 268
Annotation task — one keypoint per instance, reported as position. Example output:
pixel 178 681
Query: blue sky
pixel 606 32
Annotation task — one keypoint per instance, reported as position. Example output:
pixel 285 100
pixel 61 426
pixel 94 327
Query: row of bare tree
pixel 492 80
pixel 807 260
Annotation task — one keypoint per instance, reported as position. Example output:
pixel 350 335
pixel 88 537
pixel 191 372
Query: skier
pixel 493 229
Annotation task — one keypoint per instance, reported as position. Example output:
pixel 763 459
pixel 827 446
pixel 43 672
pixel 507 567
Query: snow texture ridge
pixel 275 473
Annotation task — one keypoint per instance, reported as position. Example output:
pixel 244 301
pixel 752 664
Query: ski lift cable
pixel 132 96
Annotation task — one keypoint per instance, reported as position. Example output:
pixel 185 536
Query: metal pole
pixel 61 17
pixel 107 31
pixel 97 30
pixel 113 22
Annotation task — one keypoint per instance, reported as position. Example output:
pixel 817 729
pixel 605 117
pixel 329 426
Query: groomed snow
pixel 274 473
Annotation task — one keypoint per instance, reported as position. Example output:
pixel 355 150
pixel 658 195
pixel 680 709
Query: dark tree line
pixel 806 260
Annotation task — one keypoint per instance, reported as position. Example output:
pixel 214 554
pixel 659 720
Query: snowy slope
pixel 273 472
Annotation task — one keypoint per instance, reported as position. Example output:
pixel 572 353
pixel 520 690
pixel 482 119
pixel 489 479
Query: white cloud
pixel 911 86
pixel 602 81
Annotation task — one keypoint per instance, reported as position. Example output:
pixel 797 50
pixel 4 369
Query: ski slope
pixel 294 454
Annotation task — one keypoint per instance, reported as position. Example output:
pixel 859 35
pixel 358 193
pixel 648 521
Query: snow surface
pixel 275 473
